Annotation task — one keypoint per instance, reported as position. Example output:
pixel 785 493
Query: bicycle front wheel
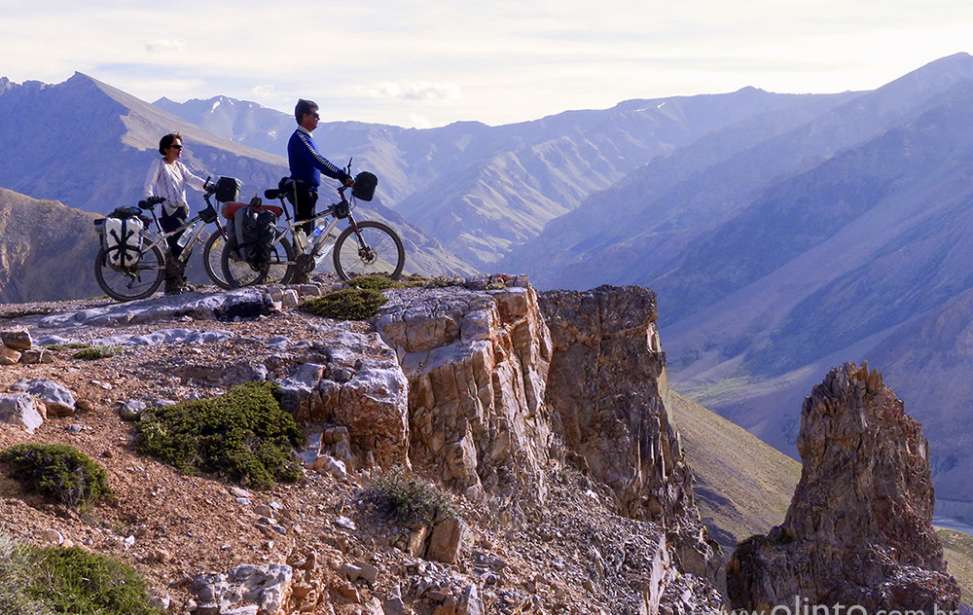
pixel 129 284
pixel 238 272
pixel 368 248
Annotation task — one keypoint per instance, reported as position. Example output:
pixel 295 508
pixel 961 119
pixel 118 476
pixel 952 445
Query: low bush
pixel 408 499
pixel 346 304
pixel 243 436
pixel 383 282
pixel 36 581
pixel 16 572
pixel 93 353
pixel 58 472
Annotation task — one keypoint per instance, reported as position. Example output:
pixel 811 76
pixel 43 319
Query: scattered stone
pixel 52 536
pixel 446 542
pixel 35 356
pixel 161 601
pixel 9 356
pixel 131 410
pixel 365 571
pixel 167 337
pixel 16 339
pixel 58 400
pixel 74 428
pixel 345 522
pixel 247 588
pixel 20 409
pixel 329 465
pixel 290 299
pixel 239 492
pixel 308 290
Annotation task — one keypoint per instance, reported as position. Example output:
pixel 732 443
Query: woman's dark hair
pixel 304 106
pixel 168 140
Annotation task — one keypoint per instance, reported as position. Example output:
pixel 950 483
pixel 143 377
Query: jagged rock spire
pixel 859 528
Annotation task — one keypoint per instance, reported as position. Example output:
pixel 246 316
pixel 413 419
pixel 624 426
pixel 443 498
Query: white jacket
pixel 169 180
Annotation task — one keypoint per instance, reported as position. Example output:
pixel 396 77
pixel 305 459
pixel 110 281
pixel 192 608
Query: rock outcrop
pixel 607 391
pixel 859 528
pixel 353 396
pixel 477 363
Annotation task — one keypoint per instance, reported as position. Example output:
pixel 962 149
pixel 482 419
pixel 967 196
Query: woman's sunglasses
pixel 175 147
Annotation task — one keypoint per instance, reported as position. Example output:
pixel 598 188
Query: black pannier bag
pixel 228 189
pixel 364 188
pixel 254 228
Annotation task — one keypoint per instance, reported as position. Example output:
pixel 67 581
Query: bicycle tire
pixel 215 270
pixel 261 276
pixel 101 262
pixel 343 269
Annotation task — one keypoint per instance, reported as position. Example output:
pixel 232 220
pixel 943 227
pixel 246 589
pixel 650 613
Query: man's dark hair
pixel 304 106
pixel 168 140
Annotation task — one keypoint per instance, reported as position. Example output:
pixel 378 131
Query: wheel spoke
pixel 376 254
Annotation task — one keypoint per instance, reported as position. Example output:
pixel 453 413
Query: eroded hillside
pixel 569 498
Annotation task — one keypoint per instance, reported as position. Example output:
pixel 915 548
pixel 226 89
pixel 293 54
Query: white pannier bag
pixel 123 240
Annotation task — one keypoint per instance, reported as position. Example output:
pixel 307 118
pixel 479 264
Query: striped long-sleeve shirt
pixel 169 180
pixel 306 163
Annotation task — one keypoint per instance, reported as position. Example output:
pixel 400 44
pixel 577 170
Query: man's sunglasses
pixel 175 147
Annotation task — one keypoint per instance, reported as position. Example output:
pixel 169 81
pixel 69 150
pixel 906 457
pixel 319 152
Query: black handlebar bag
pixel 228 189
pixel 365 184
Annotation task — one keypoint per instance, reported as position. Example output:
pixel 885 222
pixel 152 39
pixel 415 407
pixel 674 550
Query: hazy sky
pixel 430 63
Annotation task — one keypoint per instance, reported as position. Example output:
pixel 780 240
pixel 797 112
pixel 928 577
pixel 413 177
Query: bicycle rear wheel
pixel 139 282
pixel 374 250
pixel 212 256
pixel 238 273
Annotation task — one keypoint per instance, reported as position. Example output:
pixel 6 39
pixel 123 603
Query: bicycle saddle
pixel 284 187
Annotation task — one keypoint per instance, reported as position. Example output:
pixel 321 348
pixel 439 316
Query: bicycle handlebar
pixel 151 202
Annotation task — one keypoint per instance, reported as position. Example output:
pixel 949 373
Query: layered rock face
pixel 607 391
pixel 477 363
pixel 859 528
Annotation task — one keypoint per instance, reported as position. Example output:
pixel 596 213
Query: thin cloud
pixel 165 46
pixel 419 91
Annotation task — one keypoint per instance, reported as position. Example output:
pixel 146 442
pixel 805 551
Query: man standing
pixel 307 164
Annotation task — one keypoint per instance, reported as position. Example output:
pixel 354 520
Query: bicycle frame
pixel 317 252
pixel 193 240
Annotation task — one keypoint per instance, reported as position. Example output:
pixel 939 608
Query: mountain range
pixel 483 190
pixel 783 233
pixel 779 250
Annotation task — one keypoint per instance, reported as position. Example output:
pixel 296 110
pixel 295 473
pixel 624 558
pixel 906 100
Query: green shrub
pixel 383 282
pixel 58 472
pixel 77 582
pixel 346 304
pixel 243 436
pixel 93 353
pixel 408 499
pixel 16 572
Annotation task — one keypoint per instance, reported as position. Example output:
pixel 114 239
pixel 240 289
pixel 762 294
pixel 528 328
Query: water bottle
pixel 316 236
pixel 187 234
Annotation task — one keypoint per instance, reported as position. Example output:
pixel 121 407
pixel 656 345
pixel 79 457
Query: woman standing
pixel 168 177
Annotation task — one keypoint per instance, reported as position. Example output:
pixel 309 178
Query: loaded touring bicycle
pixel 364 247
pixel 131 262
